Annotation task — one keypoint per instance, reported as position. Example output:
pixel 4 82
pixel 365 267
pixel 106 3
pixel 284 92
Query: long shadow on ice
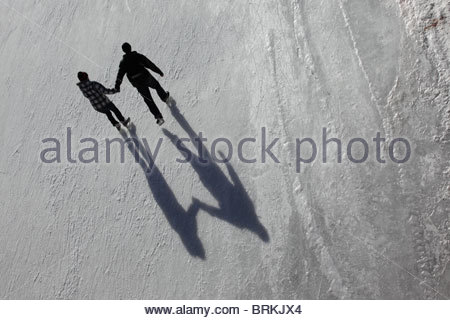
pixel 183 221
pixel 235 205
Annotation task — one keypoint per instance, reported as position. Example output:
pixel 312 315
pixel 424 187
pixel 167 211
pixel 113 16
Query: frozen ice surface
pixel 237 231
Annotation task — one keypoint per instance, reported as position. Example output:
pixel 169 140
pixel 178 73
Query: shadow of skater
pixel 182 221
pixel 235 205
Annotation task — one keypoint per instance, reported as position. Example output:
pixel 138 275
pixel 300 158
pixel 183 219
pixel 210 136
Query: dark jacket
pixel 95 92
pixel 135 66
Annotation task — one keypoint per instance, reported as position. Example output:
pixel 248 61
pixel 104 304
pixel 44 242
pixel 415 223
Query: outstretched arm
pixel 150 65
pixel 120 76
pixel 100 88
pixel 199 205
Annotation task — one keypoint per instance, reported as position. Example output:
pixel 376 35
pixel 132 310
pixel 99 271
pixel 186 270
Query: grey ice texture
pixel 337 231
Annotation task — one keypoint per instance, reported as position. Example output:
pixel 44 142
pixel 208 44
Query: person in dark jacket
pixel 96 93
pixel 135 66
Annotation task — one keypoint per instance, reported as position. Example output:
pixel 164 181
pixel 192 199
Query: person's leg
pixel 107 112
pixel 163 94
pixel 145 93
pixel 116 111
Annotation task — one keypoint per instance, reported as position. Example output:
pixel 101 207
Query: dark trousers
pixel 143 88
pixel 111 107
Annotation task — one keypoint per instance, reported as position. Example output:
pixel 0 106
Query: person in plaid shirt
pixel 96 93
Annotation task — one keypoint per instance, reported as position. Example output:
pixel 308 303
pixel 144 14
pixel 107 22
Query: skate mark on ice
pixel 235 205
pixel 51 34
pixel 184 222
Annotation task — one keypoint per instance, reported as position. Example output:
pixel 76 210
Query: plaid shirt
pixel 95 92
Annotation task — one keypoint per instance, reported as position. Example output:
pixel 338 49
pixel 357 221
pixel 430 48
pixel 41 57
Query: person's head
pixel 126 47
pixel 83 76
